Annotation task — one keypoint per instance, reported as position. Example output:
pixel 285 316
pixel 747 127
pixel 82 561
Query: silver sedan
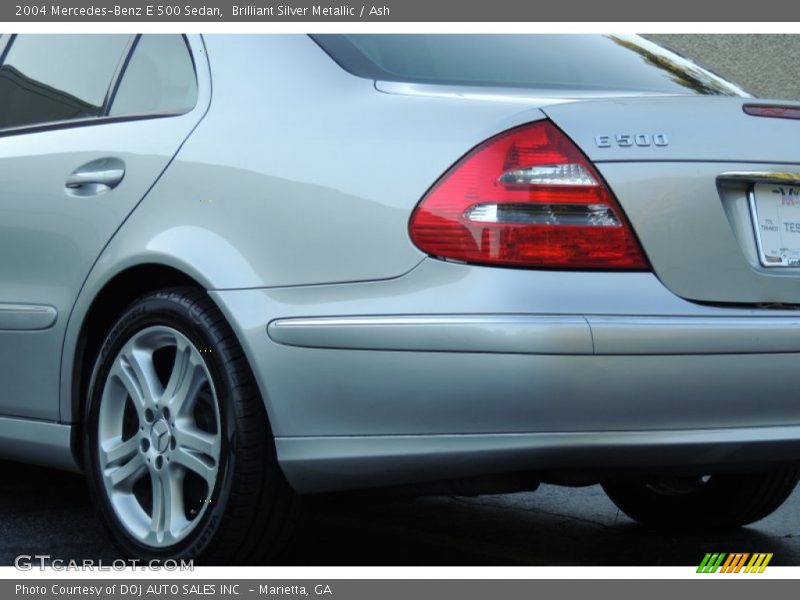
pixel 238 270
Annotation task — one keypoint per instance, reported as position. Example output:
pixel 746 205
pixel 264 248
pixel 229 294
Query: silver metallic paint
pixel 509 334
pixel 26 317
pixel 37 442
pixel 544 334
pixel 290 200
pixel 445 392
pixel 696 230
pixel 699 128
pixel 332 464
pixel 51 239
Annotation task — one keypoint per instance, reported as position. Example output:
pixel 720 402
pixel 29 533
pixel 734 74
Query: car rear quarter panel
pixel 302 173
pixel 299 174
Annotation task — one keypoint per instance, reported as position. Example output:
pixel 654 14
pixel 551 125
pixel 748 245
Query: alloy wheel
pixel 159 436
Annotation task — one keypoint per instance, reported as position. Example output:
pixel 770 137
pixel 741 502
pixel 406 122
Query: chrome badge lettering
pixel 625 140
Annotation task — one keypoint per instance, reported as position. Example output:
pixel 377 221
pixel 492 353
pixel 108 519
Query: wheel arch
pixel 105 306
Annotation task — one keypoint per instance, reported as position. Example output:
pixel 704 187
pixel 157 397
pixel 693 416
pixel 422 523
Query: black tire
pixel 714 502
pixel 252 510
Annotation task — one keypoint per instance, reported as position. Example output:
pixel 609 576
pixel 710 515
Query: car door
pixel 87 125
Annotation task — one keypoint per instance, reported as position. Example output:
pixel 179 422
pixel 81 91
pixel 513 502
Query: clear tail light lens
pixel 527 198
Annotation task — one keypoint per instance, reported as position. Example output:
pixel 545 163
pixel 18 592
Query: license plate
pixel 776 219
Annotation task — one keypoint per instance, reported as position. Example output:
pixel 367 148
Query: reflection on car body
pixel 243 269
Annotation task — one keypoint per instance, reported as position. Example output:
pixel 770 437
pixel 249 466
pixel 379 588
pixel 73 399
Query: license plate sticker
pixel 775 210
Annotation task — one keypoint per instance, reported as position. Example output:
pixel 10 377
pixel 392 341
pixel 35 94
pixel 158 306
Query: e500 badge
pixel 625 140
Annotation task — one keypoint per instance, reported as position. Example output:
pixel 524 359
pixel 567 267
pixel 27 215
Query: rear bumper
pixel 455 371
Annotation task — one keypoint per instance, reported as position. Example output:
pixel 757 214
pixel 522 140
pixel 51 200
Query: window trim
pixel 88 122
pixel 104 118
pixel 5 42
pixel 116 78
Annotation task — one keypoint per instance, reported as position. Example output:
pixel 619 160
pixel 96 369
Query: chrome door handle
pixel 96 177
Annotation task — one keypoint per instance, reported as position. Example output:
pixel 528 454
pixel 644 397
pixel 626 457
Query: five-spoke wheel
pixel 159 436
pixel 177 445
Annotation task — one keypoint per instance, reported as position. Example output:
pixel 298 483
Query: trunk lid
pixel 696 177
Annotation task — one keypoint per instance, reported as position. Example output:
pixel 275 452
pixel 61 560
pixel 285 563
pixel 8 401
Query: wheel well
pixel 106 307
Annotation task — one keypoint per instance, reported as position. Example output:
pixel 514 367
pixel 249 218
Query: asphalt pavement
pixel 48 512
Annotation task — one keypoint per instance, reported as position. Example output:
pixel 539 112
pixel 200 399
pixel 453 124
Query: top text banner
pixel 470 11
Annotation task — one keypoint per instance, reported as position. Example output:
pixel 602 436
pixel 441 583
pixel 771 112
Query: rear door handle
pixel 96 177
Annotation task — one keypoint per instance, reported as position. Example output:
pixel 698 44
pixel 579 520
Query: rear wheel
pixel 179 453
pixel 716 501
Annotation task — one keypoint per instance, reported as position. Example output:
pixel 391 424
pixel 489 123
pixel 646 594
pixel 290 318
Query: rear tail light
pixel 528 198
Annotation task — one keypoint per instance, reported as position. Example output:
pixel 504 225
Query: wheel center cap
pixel 160 435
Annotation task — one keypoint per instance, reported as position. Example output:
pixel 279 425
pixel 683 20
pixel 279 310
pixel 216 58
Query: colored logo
pixel 736 562
pixel 789 196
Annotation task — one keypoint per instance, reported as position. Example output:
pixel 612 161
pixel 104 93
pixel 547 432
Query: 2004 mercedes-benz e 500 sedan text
pixel 242 269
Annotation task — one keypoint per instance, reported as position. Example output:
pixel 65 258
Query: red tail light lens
pixel 774 111
pixel 528 198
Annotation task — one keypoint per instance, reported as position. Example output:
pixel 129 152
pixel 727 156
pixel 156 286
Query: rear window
pixel 548 62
